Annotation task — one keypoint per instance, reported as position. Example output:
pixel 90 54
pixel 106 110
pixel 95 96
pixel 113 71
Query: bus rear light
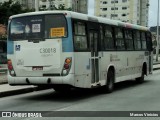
pixel 66 66
pixel 10 68
pixel 9 62
pixel 64 72
pixel 68 61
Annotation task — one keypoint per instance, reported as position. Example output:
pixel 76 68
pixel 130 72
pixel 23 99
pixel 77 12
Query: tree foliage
pixel 9 8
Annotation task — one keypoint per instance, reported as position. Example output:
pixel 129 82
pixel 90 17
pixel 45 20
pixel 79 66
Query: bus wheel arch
pixel 110 80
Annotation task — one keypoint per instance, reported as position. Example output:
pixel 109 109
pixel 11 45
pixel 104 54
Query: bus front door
pixel 93 39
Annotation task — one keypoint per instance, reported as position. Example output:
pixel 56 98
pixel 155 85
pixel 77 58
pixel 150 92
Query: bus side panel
pixel 82 69
pixel 130 67
pixel 106 62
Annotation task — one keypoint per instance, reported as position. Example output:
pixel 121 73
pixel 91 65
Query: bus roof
pixel 81 16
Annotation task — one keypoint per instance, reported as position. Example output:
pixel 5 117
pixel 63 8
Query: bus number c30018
pixel 48 50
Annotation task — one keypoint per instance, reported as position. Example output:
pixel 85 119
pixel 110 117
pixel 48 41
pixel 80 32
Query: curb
pixel 20 91
pixel 156 63
pixel 154 69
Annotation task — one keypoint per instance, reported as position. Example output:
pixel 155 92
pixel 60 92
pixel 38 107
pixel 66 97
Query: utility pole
pixel 157 48
pixel 36 5
pixel 114 10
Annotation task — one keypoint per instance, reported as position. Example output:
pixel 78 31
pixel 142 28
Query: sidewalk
pixel 156 66
pixel 7 90
pixel 154 60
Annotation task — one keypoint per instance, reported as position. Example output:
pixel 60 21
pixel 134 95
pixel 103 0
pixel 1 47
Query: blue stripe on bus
pixel 10 47
pixel 67 43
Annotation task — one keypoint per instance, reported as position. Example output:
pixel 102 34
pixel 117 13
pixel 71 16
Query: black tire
pixel 140 79
pixel 109 87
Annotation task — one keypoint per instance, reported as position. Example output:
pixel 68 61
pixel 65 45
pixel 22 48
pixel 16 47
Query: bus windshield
pixel 38 27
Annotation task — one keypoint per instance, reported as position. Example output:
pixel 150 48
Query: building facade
pixel 80 6
pixel 29 4
pixel 52 4
pixel 75 5
pixel 132 11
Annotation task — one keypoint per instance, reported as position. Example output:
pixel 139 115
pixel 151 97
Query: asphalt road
pixel 128 96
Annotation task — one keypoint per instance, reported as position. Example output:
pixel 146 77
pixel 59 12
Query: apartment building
pixel 80 6
pixel 76 5
pixel 132 11
pixel 52 4
pixel 29 4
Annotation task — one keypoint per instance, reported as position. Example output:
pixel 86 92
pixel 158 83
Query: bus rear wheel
pixel 140 79
pixel 109 87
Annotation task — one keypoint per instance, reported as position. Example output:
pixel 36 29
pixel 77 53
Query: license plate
pixel 37 68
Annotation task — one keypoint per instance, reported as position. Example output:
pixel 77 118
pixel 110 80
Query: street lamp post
pixel 114 9
pixel 36 5
pixel 157 48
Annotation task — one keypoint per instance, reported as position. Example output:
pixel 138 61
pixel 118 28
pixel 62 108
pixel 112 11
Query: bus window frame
pixel 65 21
pixel 103 41
pixel 123 38
pixel 133 47
pixel 143 40
pixel 73 34
pixel 149 42
pixel 43 16
pixel 135 32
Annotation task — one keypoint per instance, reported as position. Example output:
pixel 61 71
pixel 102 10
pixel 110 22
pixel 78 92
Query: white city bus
pixel 65 49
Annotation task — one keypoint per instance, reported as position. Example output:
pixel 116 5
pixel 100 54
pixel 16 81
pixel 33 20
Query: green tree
pixel 10 8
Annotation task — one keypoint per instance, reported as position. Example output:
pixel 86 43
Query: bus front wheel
pixel 108 88
pixel 141 79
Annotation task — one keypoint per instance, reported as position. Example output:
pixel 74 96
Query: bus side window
pixel 143 38
pixel 129 39
pixel 80 38
pixel 102 37
pixel 149 41
pixel 137 40
pixel 108 38
pixel 120 44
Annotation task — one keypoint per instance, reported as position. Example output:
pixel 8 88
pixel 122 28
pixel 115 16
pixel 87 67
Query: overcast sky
pixel 152 11
pixel 153 8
